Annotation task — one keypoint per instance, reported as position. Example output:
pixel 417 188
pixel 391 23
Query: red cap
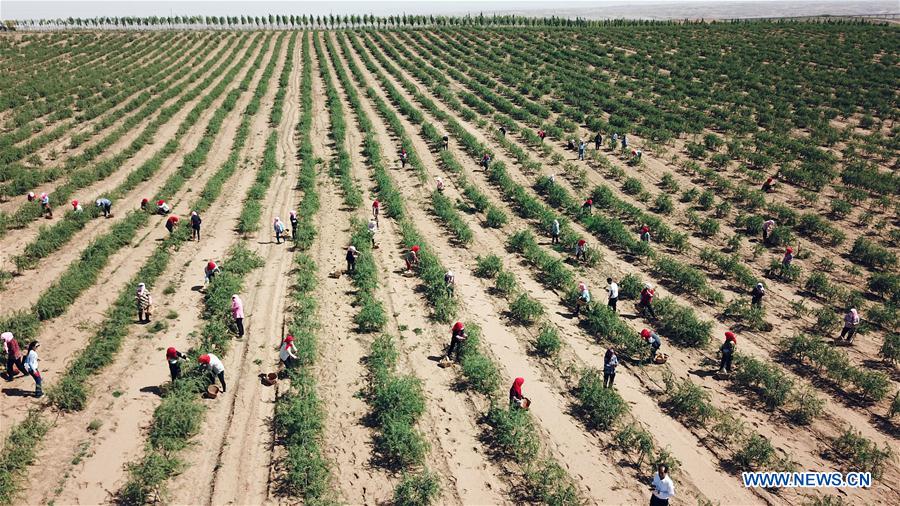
pixel 289 339
pixel 145 200
pixel 458 326
pixel 416 248
pixel 645 333
pixel 74 203
pixel 160 202
pixel 581 242
pixel 173 219
pixel 204 359
pixel 171 352
pixel 645 228
pixel 789 249
pixel 211 265
pixel 729 336
pixel 590 201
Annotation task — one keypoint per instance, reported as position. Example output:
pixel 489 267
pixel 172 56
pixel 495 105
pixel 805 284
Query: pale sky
pixel 656 9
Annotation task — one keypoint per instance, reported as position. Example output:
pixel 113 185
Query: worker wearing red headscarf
pixel 171 223
pixel 727 350
pixel 210 271
pixel 376 208
pixel 457 336
pixel 173 357
pixel 214 366
pixel 286 352
pixel 162 207
pixel 515 393
pixel 412 258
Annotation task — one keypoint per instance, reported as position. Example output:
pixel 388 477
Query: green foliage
pixel 836 365
pixel 525 310
pixel 862 454
pixel 757 453
pixel 506 284
pixel 488 266
pixel 417 489
pixel 550 484
pixel 19 452
pixel 547 343
pixel 872 255
pixel 513 433
pixel 599 407
pixel 479 371
pixel 663 204
pixel 630 287
pixel 774 386
pixel 689 403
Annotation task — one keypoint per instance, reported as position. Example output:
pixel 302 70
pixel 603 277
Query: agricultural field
pixel 245 123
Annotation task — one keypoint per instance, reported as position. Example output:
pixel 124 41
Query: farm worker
pixel 584 298
pixel 162 207
pixel 613 290
pixel 788 257
pixel 286 352
pixel 615 139
pixel 767 228
pixel 446 140
pixel 663 488
pixel 587 206
pixel 144 303
pixel 653 340
pixel 31 367
pixel 457 336
pixel 581 249
pixel 851 321
pixel 727 350
pixel 45 205
pixel 210 271
pixel 503 130
pixel 215 367
pixel 486 161
pixel 440 183
pixel 624 141
pixel 75 205
pixel 30 196
pixel 757 295
pixel 376 208
pixel 516 399
pixel 195 225
pixel 552 178
pixel 294 227
pixel 279 229
pixel 373 227
pixel 144 202
pixel 598 140
pixel 646 302
pixel 237 312
pixel 542 134
pixel 404 157
pixel 352 253
pixel 554 232
pixel 610 361
pixel 571 145
pixel 171 223
pixel 13 355
pixel 769 185
pixel 106 206
pixel 174 358
pixel 581 147
pixel 450 282
pixel 636 155
pixel 412 258
pixel 645 233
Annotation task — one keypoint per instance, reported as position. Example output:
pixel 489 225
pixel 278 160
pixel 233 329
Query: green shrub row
pixel 340 166
pixel 836 365
pixel 299 414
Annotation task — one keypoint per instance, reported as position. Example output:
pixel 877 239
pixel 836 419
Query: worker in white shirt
pixel 613 290
pixel 215 367
pixel 663 487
